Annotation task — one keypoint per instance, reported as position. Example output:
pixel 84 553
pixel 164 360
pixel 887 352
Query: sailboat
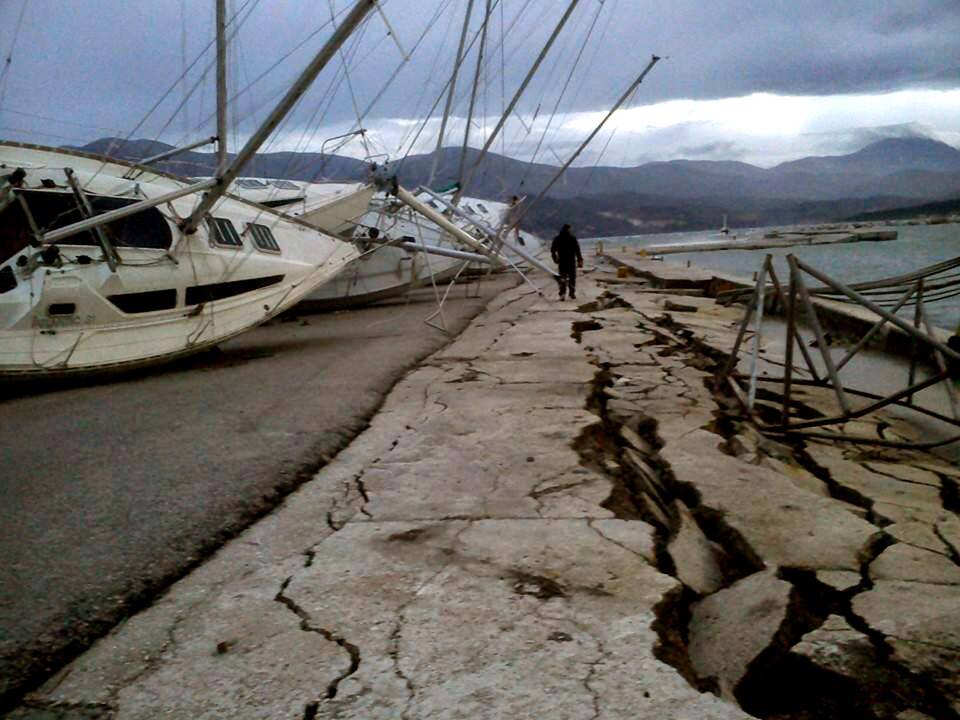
pixel 107 265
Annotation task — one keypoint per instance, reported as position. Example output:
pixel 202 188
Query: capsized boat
pixel 138 290
pixel 107 265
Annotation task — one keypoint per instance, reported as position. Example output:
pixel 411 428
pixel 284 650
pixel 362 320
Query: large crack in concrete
pixel 778 683
pixel 306 624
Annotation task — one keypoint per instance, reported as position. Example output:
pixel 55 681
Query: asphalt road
pixel 110 491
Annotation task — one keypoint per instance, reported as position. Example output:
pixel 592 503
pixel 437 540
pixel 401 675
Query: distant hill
pixel 934 209
pixel 654 197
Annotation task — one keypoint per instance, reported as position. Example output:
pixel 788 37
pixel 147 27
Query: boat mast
pixel 623 98
pixel 221 85
pixel 473 98
pixel 228 175
pixel 516 98
pixel 452 89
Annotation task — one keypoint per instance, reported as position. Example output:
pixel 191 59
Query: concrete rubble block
pixel 694 556
pixel 918 534
pixel 613 345
pixel 642 446
pixel 840 580
pixel 875 487
pixel 648 478
pixel 901 514
pixel 913 564
pixel 840 649
pixel 801 478
pixel 676 421
pixel 634 535
pixel 921 623
pixel 849 655
pixel 905 472
pixel 536 369
pixel 734 626
pixel 948 529
pixel 781 524
pixel 493 619
pixel 203 652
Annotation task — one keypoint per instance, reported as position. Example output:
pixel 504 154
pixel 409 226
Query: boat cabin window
pixel 51 210
pixel 482 207
pixel 222 232
pixel 285 185
pixel 263 238
pixel 251 184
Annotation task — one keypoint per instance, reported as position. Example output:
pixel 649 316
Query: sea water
pixel 916 246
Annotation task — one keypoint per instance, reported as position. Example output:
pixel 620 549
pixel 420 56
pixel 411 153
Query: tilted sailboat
pixel 104 265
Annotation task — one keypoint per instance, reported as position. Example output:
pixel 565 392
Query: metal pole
pixel 473 99
pixel 108 217
pixel 450 92
pixel 803 348
pixel 109 252
pixel 445 252
pixel 941 365
pixel 408 198
pixel 516 97
pixel 623 98
pixel 873 330
pixel 488 231
pixel 176 151
pixel 857 297
pixel 224 178
pixel 221 85
pixel 821 340
pixel 790 308
pixel 915 346
pixel 755 364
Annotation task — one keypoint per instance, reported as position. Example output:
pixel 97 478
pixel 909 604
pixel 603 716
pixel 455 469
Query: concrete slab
pixel 731 628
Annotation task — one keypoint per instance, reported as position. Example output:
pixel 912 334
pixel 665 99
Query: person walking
pixel 565 251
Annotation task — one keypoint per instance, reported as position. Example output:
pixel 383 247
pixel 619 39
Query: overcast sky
pixel 761 81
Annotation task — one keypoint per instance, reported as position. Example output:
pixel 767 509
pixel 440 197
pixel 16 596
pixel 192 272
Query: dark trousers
pixel 568 279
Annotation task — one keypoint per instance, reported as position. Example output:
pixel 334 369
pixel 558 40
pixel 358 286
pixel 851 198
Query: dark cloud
pixel 80 70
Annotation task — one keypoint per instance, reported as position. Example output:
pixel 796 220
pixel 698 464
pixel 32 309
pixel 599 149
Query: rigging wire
pixel 556 107
pixel 353 95
pixel 8 61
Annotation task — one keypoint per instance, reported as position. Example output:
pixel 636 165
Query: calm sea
pixel 915 247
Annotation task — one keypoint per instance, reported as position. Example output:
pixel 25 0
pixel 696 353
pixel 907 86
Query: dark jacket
pixel 565 250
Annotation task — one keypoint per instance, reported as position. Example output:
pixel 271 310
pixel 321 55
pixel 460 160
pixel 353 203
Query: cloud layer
pixel 759 82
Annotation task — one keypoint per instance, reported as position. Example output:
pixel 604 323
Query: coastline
pixel 556 514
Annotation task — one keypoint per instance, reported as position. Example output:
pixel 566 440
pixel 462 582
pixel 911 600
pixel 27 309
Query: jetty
pixel 559 514
pixel 775 239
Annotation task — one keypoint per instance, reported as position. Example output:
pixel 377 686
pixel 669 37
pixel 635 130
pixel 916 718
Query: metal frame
pixel 798 305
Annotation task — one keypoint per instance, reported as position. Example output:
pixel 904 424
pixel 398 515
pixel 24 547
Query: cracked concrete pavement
pixel 557 515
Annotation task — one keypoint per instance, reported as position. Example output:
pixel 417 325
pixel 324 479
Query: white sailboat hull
pixel 75 315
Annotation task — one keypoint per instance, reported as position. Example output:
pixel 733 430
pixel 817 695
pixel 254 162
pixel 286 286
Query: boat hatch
pixel 52 210
pixel 197 294
pixel 60 309
pixel 263 238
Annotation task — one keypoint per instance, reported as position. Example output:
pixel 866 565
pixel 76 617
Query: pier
pixel 558 514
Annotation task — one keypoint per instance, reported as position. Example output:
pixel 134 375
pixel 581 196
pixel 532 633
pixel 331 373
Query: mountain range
pixel 654 197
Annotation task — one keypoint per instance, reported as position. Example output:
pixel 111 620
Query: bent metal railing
pixel 796 305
